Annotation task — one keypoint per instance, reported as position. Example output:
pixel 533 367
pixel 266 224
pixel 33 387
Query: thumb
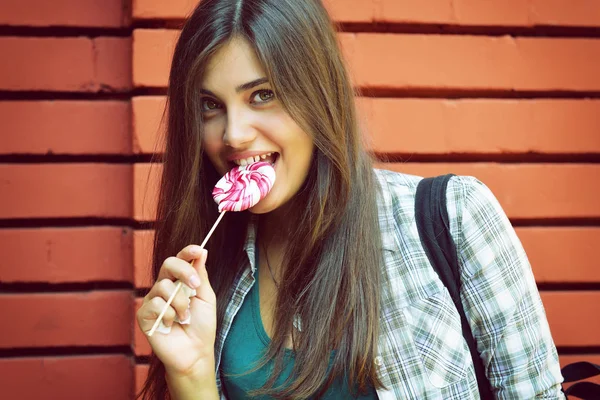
pixel 205 292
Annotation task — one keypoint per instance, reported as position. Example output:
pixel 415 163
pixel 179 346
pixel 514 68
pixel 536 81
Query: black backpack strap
pixel 582 370
pixel 433 225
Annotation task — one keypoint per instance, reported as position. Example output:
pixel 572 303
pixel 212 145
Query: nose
pixel 238 132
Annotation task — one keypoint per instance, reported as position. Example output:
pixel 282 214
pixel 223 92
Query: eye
pixel 209 104
pixel 263 96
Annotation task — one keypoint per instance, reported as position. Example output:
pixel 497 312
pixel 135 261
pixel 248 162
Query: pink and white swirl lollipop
pixel 240 189
pixel 243 187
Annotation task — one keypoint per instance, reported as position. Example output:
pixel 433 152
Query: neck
pixel 272 231
pixel 274 227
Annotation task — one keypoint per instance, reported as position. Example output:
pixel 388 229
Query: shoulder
pixel 396 189
pixel 392 180
pixel 396 200
pixel 461 188
pixel 464 195
pixel 398 183
pixel 468 189
pixel 471 204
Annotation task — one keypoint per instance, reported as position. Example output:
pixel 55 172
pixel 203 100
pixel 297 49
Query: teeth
pixel 247 161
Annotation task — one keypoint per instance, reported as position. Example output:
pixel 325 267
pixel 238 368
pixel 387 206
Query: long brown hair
pixel 332 279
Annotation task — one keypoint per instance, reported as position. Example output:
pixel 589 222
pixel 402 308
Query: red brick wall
pixel 506 91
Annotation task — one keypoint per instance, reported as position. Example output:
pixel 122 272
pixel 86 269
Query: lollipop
pixel 243 187
pixel 238 190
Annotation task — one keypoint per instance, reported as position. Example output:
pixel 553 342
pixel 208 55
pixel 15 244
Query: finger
pixel 164 289
pixel 205 291
pixel 174 268
pixel 149 312
pixel 190 252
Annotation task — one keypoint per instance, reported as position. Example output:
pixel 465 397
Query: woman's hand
pixel 188 350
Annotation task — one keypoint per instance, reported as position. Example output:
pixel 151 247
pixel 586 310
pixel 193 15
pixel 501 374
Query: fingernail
pixel 194 281
pixel 186 315
pixel 195 250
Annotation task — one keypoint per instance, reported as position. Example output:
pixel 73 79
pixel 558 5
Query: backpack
pixel 431 214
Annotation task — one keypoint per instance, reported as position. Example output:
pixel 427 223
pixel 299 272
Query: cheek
pixel 213 144
pixel 304 149
pixel 211 147
pixel 213 152
pixel 298 159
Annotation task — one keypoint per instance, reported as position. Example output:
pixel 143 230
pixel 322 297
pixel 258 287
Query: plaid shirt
pixel 421 351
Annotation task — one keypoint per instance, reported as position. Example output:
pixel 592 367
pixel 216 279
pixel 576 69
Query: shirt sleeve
pixel 500 296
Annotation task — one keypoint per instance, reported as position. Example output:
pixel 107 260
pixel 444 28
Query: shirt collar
pixel 385 209
pixel 250 244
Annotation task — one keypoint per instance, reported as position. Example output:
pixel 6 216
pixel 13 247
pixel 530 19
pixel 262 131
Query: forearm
pixel 192 388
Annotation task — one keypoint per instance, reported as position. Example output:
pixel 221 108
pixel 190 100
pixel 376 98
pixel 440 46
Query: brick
pixel 565 12
pixel 526 191
pixel 482 126
pixel 66 64
pixel 353 11
pixel 341 10
pixel 72 13
pixel 510 13
pixel 152 54
pixel 113 63
pixel 572 317
pixel 65 190
pixel 141 347
pixel 567 312
pixel 68 378
pixel 521 13
pixel 568 359
pixel 141 372
pixel 452 12
pixel 472 62
pixel 142 258
pixel 66 255
pixel 432 126
pixel 145 190
pixel 461 62
pixel 147 115
pixel 562 254
pixel 65 127
pixel 157 9
pixel 549 250
pixel 97 318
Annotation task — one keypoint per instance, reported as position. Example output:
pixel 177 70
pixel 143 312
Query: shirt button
pixel 379 361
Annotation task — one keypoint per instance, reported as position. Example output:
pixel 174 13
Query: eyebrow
pixel 241 88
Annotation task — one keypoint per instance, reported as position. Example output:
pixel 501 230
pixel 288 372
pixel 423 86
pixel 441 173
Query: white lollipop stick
pixel 179 284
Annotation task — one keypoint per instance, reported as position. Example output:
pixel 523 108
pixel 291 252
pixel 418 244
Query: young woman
pixel 322 290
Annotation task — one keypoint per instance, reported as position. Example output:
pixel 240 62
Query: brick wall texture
pixel 507 91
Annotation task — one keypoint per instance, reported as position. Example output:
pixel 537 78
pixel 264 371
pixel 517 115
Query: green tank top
pixel 244 346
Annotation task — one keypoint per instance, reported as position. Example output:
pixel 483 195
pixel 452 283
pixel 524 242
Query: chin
pixel 262 207
pixel 266 205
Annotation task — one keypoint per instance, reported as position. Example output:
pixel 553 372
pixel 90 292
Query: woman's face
pixel 244 121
